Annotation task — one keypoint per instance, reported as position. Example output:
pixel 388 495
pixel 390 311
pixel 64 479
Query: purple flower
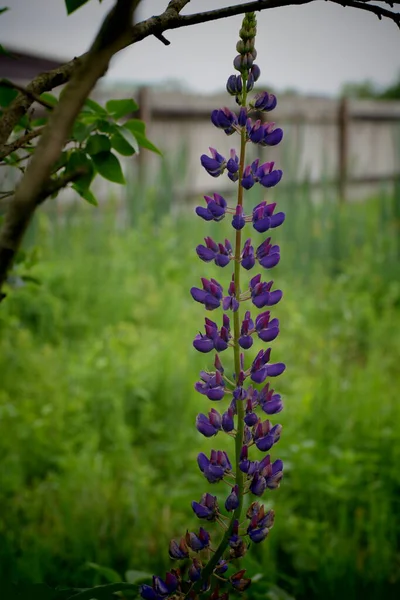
pixel 198 542
pixel 227 420
pixel 210 295
pixel 265 436
pixel 247 257
pixel 260 369
pixel 266 175
pixel 250 418
pixel 274 476
pixel 210 425
pixel 249 173
pixel 267 329
pixel 239 582
pixel 268 255
pixel 232 166
pixel 231 302
pixel 221 254
pixel 232 501
pixel 260 522
pixel 261 294
pixel 178 551
pixel 270 403
pixel 212 385
pixel 264 219
pixel 258 485
pixel 263 102
pixel 224 119
pixel 265 135
pixel 245 340
pixel 215 210
pixel 207 508
pixel 238 221
pixel 255 72
pixel 222 567
pixel 214 468
pixel 160 588
pixel 205 343
pixel 215 165
pixel 234 85
pixel 195 570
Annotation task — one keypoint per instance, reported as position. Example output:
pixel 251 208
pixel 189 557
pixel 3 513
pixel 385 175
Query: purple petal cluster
pixel 260 522
pixel 207 508
pixel 214 165
pixel 210 295
pixel 221 254
pixel 263 134
pixel 215 209
pixel 216 467
pixel 263 102
pixel 264 218
pixel 213 339
pixel 241 416
pixel 161 588
pixel 264 174
pixel 261 294
pixel 211 385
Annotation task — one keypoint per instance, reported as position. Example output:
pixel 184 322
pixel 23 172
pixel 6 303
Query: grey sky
pixel 313 48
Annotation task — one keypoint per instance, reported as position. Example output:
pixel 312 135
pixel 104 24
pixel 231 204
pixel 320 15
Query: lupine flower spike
pixel 237 407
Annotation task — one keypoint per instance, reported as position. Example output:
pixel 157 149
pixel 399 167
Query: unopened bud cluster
pixel 246 394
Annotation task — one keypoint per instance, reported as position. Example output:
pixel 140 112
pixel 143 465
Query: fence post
pixel 343 132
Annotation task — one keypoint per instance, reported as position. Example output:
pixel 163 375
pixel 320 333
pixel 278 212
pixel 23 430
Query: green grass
pixel 97 405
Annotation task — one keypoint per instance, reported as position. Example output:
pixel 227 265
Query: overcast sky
pixel 313 48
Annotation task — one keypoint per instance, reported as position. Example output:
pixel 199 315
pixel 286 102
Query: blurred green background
pixel 97 405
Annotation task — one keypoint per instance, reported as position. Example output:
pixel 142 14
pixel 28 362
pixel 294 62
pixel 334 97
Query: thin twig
pixel 54 185
pixel 32 95
pixel 8 149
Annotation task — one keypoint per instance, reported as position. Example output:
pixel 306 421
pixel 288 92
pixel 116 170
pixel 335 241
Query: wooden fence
pixel 352 144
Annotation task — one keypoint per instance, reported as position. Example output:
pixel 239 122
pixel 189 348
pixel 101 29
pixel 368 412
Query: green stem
pixel 210 566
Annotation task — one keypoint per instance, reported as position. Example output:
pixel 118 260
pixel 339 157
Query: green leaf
pixel 109 167
pixel 2 10
pixel 133 576
pixel 4 52
pixel 82 130
pixel 105 126
pixel 120 108
pixel 86 194
pixel 138 128
pixel 7 95
pixel 95 107
pixel 78 159
pixel 73 5
pixel 136 125
pixel 121 145
pixel 98 143
pixel 145 143
pixel 49 98
pixel 109 574
pixel 129 137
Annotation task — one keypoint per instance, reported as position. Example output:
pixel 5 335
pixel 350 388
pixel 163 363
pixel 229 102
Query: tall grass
pixel 97 405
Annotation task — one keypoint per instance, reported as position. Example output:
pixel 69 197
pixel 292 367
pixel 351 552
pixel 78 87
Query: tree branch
pixel 54 185
pixel 165 22
pixel 8 149
pixel 114 35
pixel 22 103
pixel 32 95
